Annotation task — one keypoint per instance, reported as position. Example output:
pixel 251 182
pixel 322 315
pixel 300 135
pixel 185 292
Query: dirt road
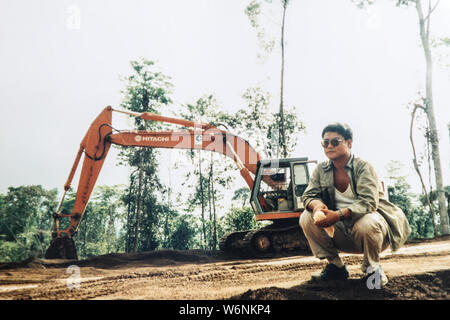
pixel 417 271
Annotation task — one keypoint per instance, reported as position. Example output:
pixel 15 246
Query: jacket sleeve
pixel 313 191
pixel 367 191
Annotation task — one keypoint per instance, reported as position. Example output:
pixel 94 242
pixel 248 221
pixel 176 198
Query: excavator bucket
pixel 62 248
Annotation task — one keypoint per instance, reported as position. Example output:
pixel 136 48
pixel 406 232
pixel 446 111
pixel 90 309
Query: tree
pixel 253 11
pixel 419 105
pixel 104 217
pixel 424 18
pixel 414 207
pixel 183 235
pixel 25 221
pixel 211 171
pixel 147 90
pixel 110 207
pixel 255 123
pixel 424 23
pixel 398 189
pixel 242 194
pixel 170 218
pixel 239 219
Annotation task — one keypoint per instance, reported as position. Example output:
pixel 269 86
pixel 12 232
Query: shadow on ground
pixel 431 285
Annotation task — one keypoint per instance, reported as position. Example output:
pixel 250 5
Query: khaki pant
pixel 367 235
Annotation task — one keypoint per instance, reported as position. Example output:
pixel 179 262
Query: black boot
pixel 332 272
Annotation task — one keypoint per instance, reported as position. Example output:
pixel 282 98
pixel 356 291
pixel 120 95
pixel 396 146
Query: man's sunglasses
pixel 334 142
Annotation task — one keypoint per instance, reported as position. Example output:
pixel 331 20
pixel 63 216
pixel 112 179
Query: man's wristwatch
pixel 341 215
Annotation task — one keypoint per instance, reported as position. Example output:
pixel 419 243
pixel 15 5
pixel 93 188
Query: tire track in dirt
pixel 88 288
pixel 186 281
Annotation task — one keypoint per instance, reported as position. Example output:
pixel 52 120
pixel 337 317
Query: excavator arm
pixel 97 142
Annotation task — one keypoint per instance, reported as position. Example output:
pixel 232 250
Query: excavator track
pixel 232 243
pixel 259 243
pixel 265 242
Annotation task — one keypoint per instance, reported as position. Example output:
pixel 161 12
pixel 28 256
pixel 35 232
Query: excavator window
pixel 300 174
pixel 301 179
pixel 278 177
pixel 279 186
pixel 274 196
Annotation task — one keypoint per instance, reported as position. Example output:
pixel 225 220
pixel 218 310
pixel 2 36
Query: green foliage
pixel 147 89
pixel 418 216
pixel 292 127
pixel 153 213
pixel 417 212
pixel 363 3
pixel 242 194
pixel 25 222
pixel 205 110
pixel 239 219
pixel 398 189
pixel 253 10
pixel 421 223
pixel 404 2
pixel 267 32
pixel 23 207
pixel 184 232
pixel 260 127
pixel 399 3
pixel 98 232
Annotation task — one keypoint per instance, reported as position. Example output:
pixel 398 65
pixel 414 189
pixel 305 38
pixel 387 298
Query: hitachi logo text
pixel 160 139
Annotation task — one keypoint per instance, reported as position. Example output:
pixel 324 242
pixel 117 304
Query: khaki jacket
pixel 370 197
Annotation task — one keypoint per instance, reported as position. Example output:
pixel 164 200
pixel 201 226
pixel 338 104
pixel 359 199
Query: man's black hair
pixel 342 128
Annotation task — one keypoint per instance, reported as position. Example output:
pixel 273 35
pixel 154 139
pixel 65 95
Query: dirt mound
pixel 149 258
pixel 429 240
pixel 431 285
pixel 32 263
pixel 116 260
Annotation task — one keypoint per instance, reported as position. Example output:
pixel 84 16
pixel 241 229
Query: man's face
pixel 342 150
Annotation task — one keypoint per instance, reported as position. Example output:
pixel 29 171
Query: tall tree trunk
pixel 128 236
pixel 448 125
pixel 214 215
pixel 212 198
pixel 416 167
pixel 282 134
pixel 424 23
pixel 166 222
pixel 202 197
pixel 84 234
pixel 129 228
pixel 138 209
pixel 210 207
pixel 147 208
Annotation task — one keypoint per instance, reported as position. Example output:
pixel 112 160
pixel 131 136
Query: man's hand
pixel 316 205
pixel 331 218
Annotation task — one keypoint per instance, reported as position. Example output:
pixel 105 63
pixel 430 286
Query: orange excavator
pixel 276 184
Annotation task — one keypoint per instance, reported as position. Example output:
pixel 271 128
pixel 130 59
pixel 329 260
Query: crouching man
pixel 346 189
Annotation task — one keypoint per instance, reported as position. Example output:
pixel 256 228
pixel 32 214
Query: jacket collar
pixel 329 165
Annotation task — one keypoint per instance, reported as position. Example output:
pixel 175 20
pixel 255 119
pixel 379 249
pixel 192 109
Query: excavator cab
pixel 279 185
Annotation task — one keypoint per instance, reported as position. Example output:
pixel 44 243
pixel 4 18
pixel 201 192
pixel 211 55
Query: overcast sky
pixel 61 63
